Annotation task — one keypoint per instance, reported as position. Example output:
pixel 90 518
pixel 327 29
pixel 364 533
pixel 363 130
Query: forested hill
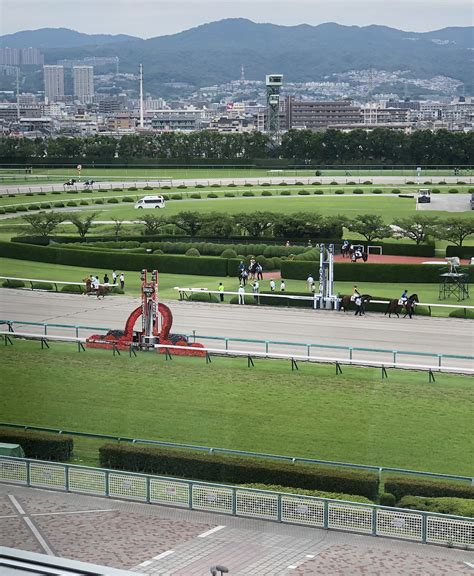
pixel 213 53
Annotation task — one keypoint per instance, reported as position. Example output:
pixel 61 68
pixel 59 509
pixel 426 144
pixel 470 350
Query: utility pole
pixel 18 94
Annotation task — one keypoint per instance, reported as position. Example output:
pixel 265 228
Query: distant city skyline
pixel 149 18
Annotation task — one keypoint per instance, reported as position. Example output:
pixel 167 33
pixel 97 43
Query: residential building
pixel 53 83
pixel 83 79
pixel 31 57
pixel 10 56
pixel 317 115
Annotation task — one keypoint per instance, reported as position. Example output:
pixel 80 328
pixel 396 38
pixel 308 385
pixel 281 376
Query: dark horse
pixel 409 306
pixel 346 302
pixel 345 250
pixel 70 182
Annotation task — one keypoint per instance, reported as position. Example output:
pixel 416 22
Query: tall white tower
pixel 141 95
pixel 53 83
pixel 83 77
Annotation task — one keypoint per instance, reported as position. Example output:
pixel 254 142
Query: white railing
pixel 33 281
pixel 183 296
pixel 414 525
pixel 251 354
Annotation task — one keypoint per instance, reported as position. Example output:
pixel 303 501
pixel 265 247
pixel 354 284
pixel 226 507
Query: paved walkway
pixel 163 541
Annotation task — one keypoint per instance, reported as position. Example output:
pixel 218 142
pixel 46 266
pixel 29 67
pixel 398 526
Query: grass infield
pixel 354 417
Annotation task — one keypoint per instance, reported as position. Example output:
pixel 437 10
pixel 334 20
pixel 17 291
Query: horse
pixel 70 182
pixel 409 306
pixel 345 250
pixel 355 254
pixel 101 290
pixel 346 302
pixel 89 184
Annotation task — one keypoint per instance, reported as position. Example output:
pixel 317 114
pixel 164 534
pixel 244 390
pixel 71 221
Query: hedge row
pixel 40 445
pixel 401 487
pixel 236 470
pixel 460 251
pixel 204 266
pixel 454 506
pixel 366 272
pixel 313 493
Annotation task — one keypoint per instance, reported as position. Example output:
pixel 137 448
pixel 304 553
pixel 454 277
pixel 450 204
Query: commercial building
pixel 83 79
pixel 318 115
pixel 53 83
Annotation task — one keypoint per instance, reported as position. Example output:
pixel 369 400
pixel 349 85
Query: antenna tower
pixel 242 73
pixel 18 94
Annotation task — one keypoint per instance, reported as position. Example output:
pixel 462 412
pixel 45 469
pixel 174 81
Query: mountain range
pixel 213 53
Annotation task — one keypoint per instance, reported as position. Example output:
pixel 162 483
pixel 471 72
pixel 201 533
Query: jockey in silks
pixel 355 294
pixel 403 298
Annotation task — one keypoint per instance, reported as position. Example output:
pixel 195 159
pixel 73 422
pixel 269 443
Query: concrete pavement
pixel 162 541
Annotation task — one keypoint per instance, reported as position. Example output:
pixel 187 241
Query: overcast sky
pixel 148 18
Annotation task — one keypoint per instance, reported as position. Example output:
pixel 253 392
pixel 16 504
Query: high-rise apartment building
pixel 10 56
pixel 83 77
pixel 31 56
pixel 53 83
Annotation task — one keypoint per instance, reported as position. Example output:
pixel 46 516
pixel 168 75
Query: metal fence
pixel 380 470
pixel 303 350
pixel 370 519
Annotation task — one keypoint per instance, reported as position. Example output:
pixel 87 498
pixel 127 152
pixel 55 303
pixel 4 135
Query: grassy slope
pixel 43 271
pixel 401 421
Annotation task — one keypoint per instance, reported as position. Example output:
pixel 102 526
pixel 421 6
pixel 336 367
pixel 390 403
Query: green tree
pixel 217 224
pixel 370 226
pixel 43 223
pixel 455 229
pixel 416 227
pixel 255 223
pixel 117 227
pixel 83 225
pixel 153 224
pixel 189 222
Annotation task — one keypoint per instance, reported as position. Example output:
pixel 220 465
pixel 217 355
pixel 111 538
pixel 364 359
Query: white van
pixel 151 202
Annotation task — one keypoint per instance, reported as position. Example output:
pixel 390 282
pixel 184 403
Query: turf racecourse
pixel 356 417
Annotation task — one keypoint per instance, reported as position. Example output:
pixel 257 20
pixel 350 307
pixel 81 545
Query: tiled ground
pixel 162 541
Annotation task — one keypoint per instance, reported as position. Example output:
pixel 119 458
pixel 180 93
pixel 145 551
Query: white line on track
pixel 211 531
pixel 17 505
pixel 38 536
pixel 163 555
pixel 71 512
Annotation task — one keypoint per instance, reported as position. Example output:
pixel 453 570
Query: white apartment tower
pixel 53 83
pixel 83 77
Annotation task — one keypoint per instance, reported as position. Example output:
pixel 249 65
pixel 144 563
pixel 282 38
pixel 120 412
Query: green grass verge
pixel 355 417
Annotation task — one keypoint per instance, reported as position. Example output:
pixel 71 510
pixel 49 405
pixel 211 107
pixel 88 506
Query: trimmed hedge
pixel 203 266
pixel 365 272
pixel 460 251
pixel 42 286
pixel 313 493
pixel 236 470
pixel 40 445
pixel 13 284
pixel 72 289
pixel 462 313
pixel 203 297
pixel 401 487
pixel 455 506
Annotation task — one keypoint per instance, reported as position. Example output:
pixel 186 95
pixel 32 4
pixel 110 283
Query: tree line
pixel 260 224
pixel 379 146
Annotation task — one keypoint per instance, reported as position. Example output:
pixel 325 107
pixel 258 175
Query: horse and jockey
pixel 356 300
pixel 70 182
pixel 354 251
pixel 404 303
pixel 94 287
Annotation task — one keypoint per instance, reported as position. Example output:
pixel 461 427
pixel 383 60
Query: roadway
pixel 421 334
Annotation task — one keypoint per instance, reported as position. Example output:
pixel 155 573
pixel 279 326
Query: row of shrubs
pixel 395 273
pixel 40 445
pixel 235 470
pixel 68 288
pixel 306 479
pixel 210 266
pixel 70 203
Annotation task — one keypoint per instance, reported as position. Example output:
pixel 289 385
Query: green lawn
pixel 355 417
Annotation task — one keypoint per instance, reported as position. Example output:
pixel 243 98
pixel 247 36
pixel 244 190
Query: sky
pixel 149 18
